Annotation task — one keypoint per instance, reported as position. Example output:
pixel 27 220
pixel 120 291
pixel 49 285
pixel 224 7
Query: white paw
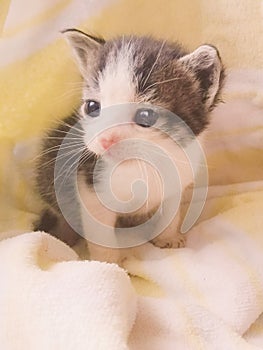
pixel 178 242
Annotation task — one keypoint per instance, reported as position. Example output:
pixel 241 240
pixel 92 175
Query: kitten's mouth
pixel 114 154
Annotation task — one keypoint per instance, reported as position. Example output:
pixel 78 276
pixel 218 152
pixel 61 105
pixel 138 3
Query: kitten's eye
pixel 92 108
pixel 145 117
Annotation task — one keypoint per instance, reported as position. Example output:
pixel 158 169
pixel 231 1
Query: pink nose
pixel 109 141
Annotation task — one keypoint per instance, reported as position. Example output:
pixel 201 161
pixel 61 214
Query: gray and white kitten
pixel 146 72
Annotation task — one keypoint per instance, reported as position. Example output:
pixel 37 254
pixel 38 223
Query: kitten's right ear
pixel 207 66
pixel 83 45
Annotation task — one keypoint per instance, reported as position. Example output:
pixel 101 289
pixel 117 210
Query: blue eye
pixel 145 117
pixel 92 108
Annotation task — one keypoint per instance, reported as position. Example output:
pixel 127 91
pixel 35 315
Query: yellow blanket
pixel 206 296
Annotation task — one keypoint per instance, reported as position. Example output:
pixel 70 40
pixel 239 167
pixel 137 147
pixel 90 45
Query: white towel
pixel 49 300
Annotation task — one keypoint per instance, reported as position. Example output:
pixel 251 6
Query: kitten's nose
pixel 107 142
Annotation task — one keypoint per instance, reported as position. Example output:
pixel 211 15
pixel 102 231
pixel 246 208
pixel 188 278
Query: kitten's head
pixel 147 76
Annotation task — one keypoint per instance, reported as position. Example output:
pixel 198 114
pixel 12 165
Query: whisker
pixel 58 134
pixel 56 148
pixel 62 138
pixel 58 127
pixel 72 127
pixel 86 157
pixel 70 170
pixel 80 161
pixel 154 64
pixel 161 82
pixel 76 83
pixel 58 157
pixel 74 90
pixel 61 173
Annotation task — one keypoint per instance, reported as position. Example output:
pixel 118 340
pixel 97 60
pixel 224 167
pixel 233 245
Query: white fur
pixel 116 86
pixel 116 82
pixel 121 186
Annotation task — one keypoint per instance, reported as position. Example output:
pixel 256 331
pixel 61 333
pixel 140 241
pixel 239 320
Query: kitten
pixel 129 85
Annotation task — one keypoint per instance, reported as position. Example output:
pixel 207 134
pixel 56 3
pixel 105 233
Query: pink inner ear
pixel 107 142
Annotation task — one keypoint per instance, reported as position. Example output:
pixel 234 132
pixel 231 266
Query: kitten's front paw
pixel 177 242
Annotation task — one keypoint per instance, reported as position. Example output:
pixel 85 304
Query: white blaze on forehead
pixel 116 82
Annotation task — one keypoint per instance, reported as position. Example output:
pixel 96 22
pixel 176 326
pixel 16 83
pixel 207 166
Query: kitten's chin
pixel 114 156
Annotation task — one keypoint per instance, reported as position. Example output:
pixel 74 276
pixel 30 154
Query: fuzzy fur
pixel 137 70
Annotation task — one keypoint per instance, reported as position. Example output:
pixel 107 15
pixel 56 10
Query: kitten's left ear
pixel 207 66
pixel 84 47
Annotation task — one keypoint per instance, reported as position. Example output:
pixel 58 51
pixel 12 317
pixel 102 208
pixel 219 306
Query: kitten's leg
pixel 100 253
pixel 92 208
pixel 46 222
pixel 171 237
pixel 57 226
